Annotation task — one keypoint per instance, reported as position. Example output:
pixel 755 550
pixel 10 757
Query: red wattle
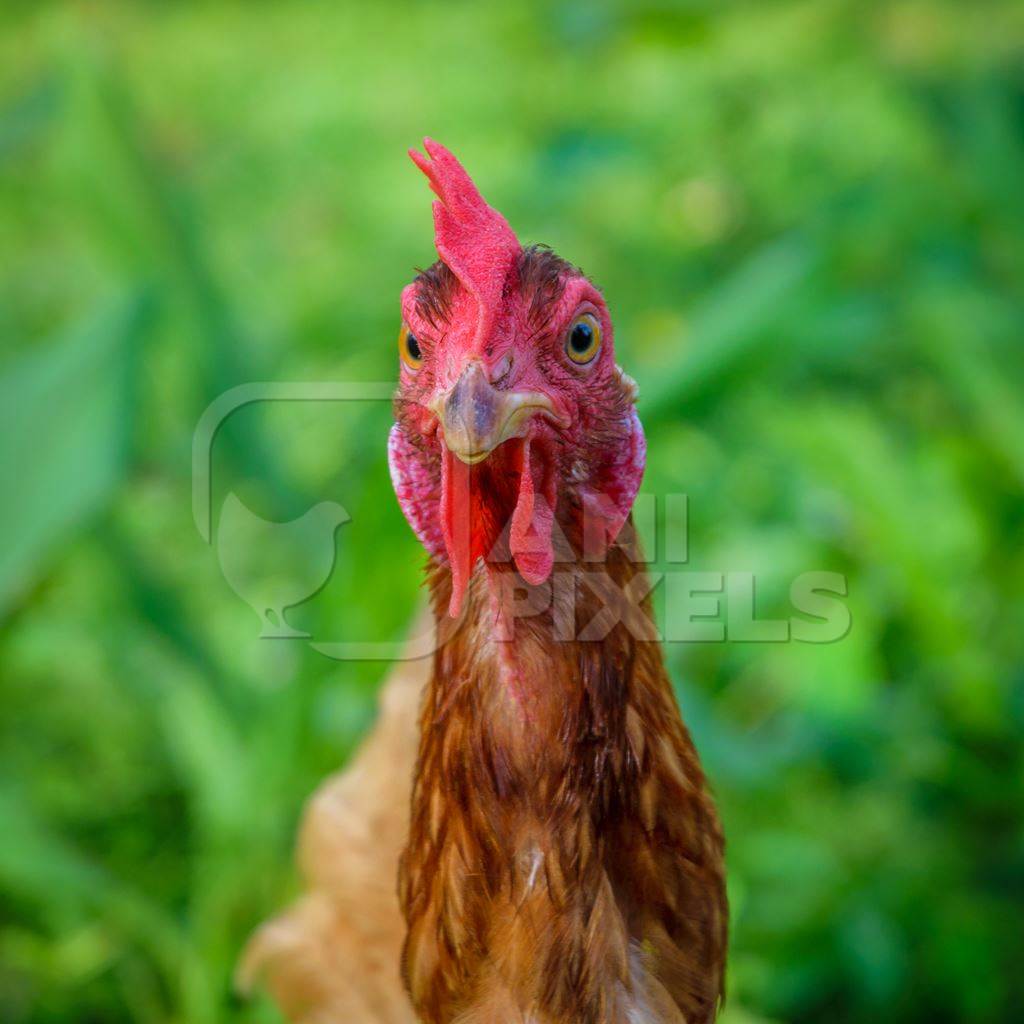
pixel 533 520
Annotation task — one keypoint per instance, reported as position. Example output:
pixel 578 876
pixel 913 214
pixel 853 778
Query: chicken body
pixel 562 866
pixel 562 860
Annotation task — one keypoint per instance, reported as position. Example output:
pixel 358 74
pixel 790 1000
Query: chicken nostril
pixel 501 368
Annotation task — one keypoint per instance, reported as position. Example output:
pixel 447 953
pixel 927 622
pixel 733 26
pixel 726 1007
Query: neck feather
pixel 540 874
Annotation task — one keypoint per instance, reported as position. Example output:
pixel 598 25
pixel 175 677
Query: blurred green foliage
pixel 808 218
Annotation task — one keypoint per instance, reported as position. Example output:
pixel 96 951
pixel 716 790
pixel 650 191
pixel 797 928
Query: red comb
pixel 472 238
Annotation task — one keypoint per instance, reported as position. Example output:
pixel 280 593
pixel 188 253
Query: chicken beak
pixel 476 417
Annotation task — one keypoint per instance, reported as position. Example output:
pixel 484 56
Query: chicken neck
pixel 564 860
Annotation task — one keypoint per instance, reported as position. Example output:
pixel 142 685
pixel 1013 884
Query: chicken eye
pixel 583 341
pixel 409 348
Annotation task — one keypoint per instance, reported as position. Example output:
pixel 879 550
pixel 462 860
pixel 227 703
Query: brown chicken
pixel 560 859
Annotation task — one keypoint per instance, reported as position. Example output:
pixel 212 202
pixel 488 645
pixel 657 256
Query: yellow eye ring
pixel 409 350
pixel 583 339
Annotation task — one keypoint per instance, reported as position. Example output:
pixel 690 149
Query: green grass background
pixel 808 219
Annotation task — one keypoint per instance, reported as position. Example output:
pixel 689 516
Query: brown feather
pixel 564 859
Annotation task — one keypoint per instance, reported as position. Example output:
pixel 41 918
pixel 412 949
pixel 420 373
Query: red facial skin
pixel 506 318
